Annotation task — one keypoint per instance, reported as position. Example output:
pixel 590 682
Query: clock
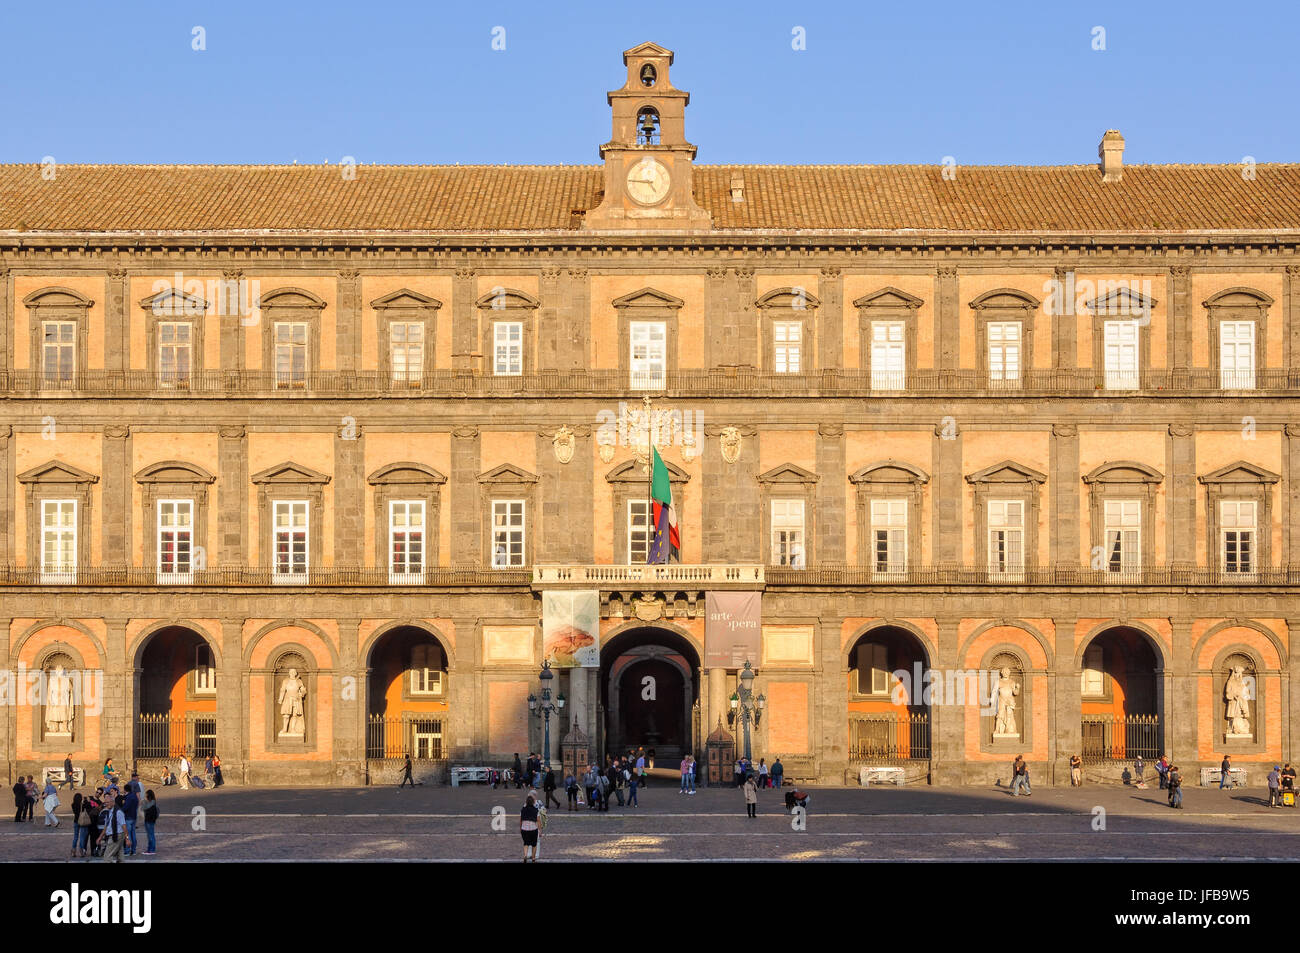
pixel 648 182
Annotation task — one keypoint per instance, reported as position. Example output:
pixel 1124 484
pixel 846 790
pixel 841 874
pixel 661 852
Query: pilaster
pixel 1065 481
pixel 117 322
pixel 232 495
pixel 464 321
pixel 830 319
pixel 347 320
pixel 1181 545
pixel 946 456
pixel 466 531
pixel 947 317
pixel 832 505
pixel 349 495
pixel 117 496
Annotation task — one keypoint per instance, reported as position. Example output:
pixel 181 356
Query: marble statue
pixel 292 693
pixel 1238 702
pixel 58 703
pixel 1007 692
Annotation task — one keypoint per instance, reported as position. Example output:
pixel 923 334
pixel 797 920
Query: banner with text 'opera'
pixel 571 628
pixel 733 628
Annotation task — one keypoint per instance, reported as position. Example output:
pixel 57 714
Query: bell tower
pixel 648 174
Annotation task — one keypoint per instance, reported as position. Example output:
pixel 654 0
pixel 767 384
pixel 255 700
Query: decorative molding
pixel 233 432
pixel 117 431
pixel 1181 430
pixel 465 433
pixel 1065 430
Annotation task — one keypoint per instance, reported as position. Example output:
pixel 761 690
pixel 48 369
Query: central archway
pixel 649 683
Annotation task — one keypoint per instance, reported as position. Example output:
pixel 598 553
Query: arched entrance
pixel 175 696
pixel 649 683
pixel 1120 697
pixel 889 717
pixel 406 696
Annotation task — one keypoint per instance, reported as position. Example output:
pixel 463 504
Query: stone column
pixel 8 733
pixel 745 311
pixel 1291 318
pixel 1064 327
pixel 715 317
pixel 8 538
pixel 468 719
pixel 1181 544
pixel 949 491
pixel 548 320
pixel 947 721
pixel 347 321
pixel 116 725
pixel 117 322
pixel 565 495
pixel 232 496
pixel 1178 708
pixel 1066 699
pixel 1291 695
pixel 732 522
pixel 573 332
pixel 232 328
pixel 349 496
pixel 947 312
pixel 349 707
pixel 831 701
pixel 466 520
pixel 830 544
pixel 1180 313
pixel 1290 496
pixel 6 319
pixel 1064 487
pixel 232 705
pixel 830 320
pixel 117 503
pixel 464 321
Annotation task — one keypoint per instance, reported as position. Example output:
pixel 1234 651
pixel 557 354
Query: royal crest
pixel 730 440
pixel 648 610
pixel 564 443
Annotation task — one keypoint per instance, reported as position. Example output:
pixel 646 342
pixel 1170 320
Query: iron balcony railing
pixel 394 737
pixel 1029 578
pixel 714 382
pixel 1112 739
pixel 332 576
pixel 889 737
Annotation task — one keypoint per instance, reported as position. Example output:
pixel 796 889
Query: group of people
pixel 106 822
pixel 1281 780
pixel 620 777
pixel 767 777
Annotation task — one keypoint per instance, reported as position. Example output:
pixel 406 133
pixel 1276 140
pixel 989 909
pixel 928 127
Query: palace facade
pixel 358 422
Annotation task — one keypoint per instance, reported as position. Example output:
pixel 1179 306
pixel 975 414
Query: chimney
pixel 1111 153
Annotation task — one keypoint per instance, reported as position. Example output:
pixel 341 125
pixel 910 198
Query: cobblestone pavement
pixel 891 824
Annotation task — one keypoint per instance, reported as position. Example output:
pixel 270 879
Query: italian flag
pixel 666 543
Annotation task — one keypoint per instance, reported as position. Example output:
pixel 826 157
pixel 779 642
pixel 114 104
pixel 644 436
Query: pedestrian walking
pixel 51 804
pixel 571 789
pixel 113 831
pixel 217 778
pixel 1162 771
pixel 131 811
pixel 640 770
pixel 517 772
pixel 69 774
pixel 686 773
pixel 632 783
pixel 738 772
pixel 184 771
pixel 778 773
pixel 1274 786
pixel 1139 766
pixel 86 820
pixel 1175 787
pixel 150 821
pixel 1225 773
pixel 548 785
pixel 762 773
pixel 1019 776
pixel 76 822
pixel 751 797
pixel 1076 771
pixel 20 800
pixel 528 828
pixel 406 774
pixel 32 797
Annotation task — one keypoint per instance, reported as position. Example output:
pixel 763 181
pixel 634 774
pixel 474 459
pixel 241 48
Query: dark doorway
pixel 650 680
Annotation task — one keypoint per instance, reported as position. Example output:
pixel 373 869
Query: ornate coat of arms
pixel 564 443
pixel 731 440
pixel 648 610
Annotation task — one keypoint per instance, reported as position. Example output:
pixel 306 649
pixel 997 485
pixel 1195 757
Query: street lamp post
pixel 546 708
pixel 746 707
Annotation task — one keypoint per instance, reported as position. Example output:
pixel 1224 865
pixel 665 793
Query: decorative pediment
pixel 889 472
pixel 648 49
pixel 405 298
pixel 629 471
pixel 405 473
pixel 1238 298
pixel 291 298
pixel 56 471
pixel 1121 300
pixel 1124 471
pixel 1008 471
pixel 888 298
pixel 173 301
pixel 174 471
pixel 57 298
pixel 288 472
pixel 648 298
pixel 1005 298
pixel 788 473
pixel 507 473
pixel 501 299
pixel 1240 472
pixel 789 299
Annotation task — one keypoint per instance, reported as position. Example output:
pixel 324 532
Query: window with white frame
pixel 1004 351
pixel 1093 683
pixel 507 533
pixel 406 351
pixel 1123 534
pixel 888 354
pixel 889 535
pixel 1237 535
pixel 290 543
pixel 507 348
pixel 405 537
pixel 873 669
pixel 58 538
pixel 175 351
pixel 1006 520
pixel 787 346
pixel 1120 354
pixel 205 673
pixel 788 533
pixel 290 354
pixel 1237 355
pixel 426 670
pixel 175 538
pixel 638 532
pixel 649 358
pixel 58 350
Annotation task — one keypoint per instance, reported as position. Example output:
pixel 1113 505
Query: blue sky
pixel 419 82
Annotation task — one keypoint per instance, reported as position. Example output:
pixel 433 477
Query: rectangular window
pixel 873 669
pixel 205 674
pixel 1006 536
pixel 638 532
pixel 507 348
pixel 1120 353
pixel 1237 535
pixel 175 352
pixel 787 533
pixel 889 535
pixel 426 738
pixel 59 351
pixel 1123 535
pixel 58 541
pixel 507 534
pixel 1094 677
pixel 1237 355
pixel 175 540
pixel 787 346
pixel 406 351
pixel 649 359
pixel 888 355
pixel 1004 352
pixel 426 670
pixel 289 544
pixel 290 354
pixel 406 541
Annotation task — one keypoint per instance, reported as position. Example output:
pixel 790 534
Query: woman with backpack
pixel 87 821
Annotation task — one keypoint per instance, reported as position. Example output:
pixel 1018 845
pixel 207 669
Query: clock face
pixel 648 182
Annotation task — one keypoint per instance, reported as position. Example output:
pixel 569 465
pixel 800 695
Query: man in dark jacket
pixel 548 785
pixel 1175 787
pixel 20 801
pixel 518 771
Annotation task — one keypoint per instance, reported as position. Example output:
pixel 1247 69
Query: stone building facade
pixel 355 422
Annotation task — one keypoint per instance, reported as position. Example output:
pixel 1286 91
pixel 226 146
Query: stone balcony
pixel 670 576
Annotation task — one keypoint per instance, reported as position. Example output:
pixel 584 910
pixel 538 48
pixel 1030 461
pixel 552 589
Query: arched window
pixel 647 126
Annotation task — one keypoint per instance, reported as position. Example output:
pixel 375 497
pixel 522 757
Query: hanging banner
pixel 733 628
pixel 570 626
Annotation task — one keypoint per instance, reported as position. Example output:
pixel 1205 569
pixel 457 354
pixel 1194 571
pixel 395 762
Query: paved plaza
pixel 843 824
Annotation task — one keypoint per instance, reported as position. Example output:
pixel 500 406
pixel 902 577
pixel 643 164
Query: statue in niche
pixel 1237 697
pixel 292 694
pixel 1006 717
pixel 58 703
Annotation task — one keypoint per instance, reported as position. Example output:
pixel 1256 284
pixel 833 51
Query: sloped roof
pixel 297 198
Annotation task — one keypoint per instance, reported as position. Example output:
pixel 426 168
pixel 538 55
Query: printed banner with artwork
pixel 733 629
pixel 571 628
